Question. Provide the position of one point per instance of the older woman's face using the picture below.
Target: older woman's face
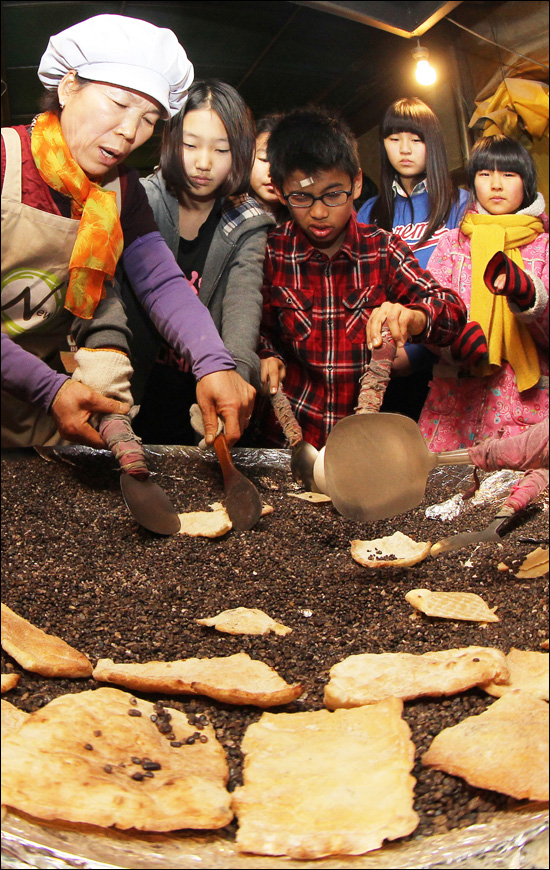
(103, 123)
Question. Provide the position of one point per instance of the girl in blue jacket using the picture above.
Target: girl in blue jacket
(419, 202)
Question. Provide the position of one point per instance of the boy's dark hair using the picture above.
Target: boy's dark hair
(311, 140)
(411, 115)
(237, 120)
(505, 155)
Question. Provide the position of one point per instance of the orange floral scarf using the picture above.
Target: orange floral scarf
(99, 242)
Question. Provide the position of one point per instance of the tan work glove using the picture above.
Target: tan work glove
(198, 424)
(107, 371)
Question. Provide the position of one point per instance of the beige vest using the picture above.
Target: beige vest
(36, 251)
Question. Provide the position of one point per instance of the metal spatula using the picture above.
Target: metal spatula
(463, 539)
(149, 505)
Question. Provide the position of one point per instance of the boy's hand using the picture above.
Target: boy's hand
(402, 322)
(273, 373)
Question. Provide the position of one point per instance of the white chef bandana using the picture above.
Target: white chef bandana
(121, 51)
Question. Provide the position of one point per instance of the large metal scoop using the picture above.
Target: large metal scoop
(149, 505)
(242, 500)
(377, 466)
(302, 454)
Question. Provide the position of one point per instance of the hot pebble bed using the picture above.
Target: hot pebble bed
(76, 565)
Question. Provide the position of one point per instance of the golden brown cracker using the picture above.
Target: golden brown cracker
(98, 757)
(323, 783)
(370, 677)
(504, 749)
(39, 652)
(235, 679)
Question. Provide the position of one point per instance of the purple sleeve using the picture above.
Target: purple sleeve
(27, 377)
(171, 303)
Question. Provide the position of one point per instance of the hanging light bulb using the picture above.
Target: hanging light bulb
(425, 73)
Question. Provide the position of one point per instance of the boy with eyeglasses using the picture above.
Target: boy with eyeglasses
(330, 283)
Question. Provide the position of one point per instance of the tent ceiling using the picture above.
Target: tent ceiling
(352, 56)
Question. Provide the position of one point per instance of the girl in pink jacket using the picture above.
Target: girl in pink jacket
(494, 378)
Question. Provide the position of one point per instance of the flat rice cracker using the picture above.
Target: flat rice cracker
(452, 605)
(311, 497)
(210, 524)
(321, 783)
(76, 758)
(370, 677)
(9, 681)
(528, 672)
(504, 749)
(236, 679)
(39, 652)
(12, 718)
(393, 551)
(244, 620)
(206, 524)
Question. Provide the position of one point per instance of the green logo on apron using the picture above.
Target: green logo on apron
(30, 300)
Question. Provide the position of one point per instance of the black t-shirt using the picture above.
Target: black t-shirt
(164, 411)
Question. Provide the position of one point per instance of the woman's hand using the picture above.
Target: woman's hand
(72, 407)
(273, 373)
(228, 395)
(402, 322)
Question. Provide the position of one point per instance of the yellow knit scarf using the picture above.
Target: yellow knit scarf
(99, 242)
(507, 337)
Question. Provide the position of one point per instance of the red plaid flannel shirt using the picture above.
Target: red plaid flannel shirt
(316, 310)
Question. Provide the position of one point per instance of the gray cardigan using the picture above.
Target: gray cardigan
(231, 286)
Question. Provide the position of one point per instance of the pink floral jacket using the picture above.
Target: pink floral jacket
(460, 409)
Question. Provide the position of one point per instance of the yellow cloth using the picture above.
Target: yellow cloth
(507, 337)
(99, 242)
(515, 99)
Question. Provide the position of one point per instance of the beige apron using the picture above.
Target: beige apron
(36, 251)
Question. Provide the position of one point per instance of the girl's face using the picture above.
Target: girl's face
(406, 153)
(206, 152)
(499, 192)
(260, 179)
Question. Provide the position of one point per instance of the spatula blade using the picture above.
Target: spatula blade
(149, 505)
(371, 471)
(243, 503)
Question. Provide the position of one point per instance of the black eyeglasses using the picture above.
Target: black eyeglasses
(306, 200)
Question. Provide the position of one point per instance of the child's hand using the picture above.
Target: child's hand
(503, 277)
(273, 373)
(402, 322)
(470, 348)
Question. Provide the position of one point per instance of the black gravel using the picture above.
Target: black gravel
(75, 564)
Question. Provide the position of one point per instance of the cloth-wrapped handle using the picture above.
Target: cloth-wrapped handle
(527, 489)
(127, 448)
(375, 379)
(285, 416)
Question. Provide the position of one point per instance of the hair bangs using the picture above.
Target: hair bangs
(402, 124)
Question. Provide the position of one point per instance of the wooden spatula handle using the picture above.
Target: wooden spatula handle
(224, 456)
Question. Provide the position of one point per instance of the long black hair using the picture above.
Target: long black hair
(411, 115)
(505, 155)
(237, 120)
